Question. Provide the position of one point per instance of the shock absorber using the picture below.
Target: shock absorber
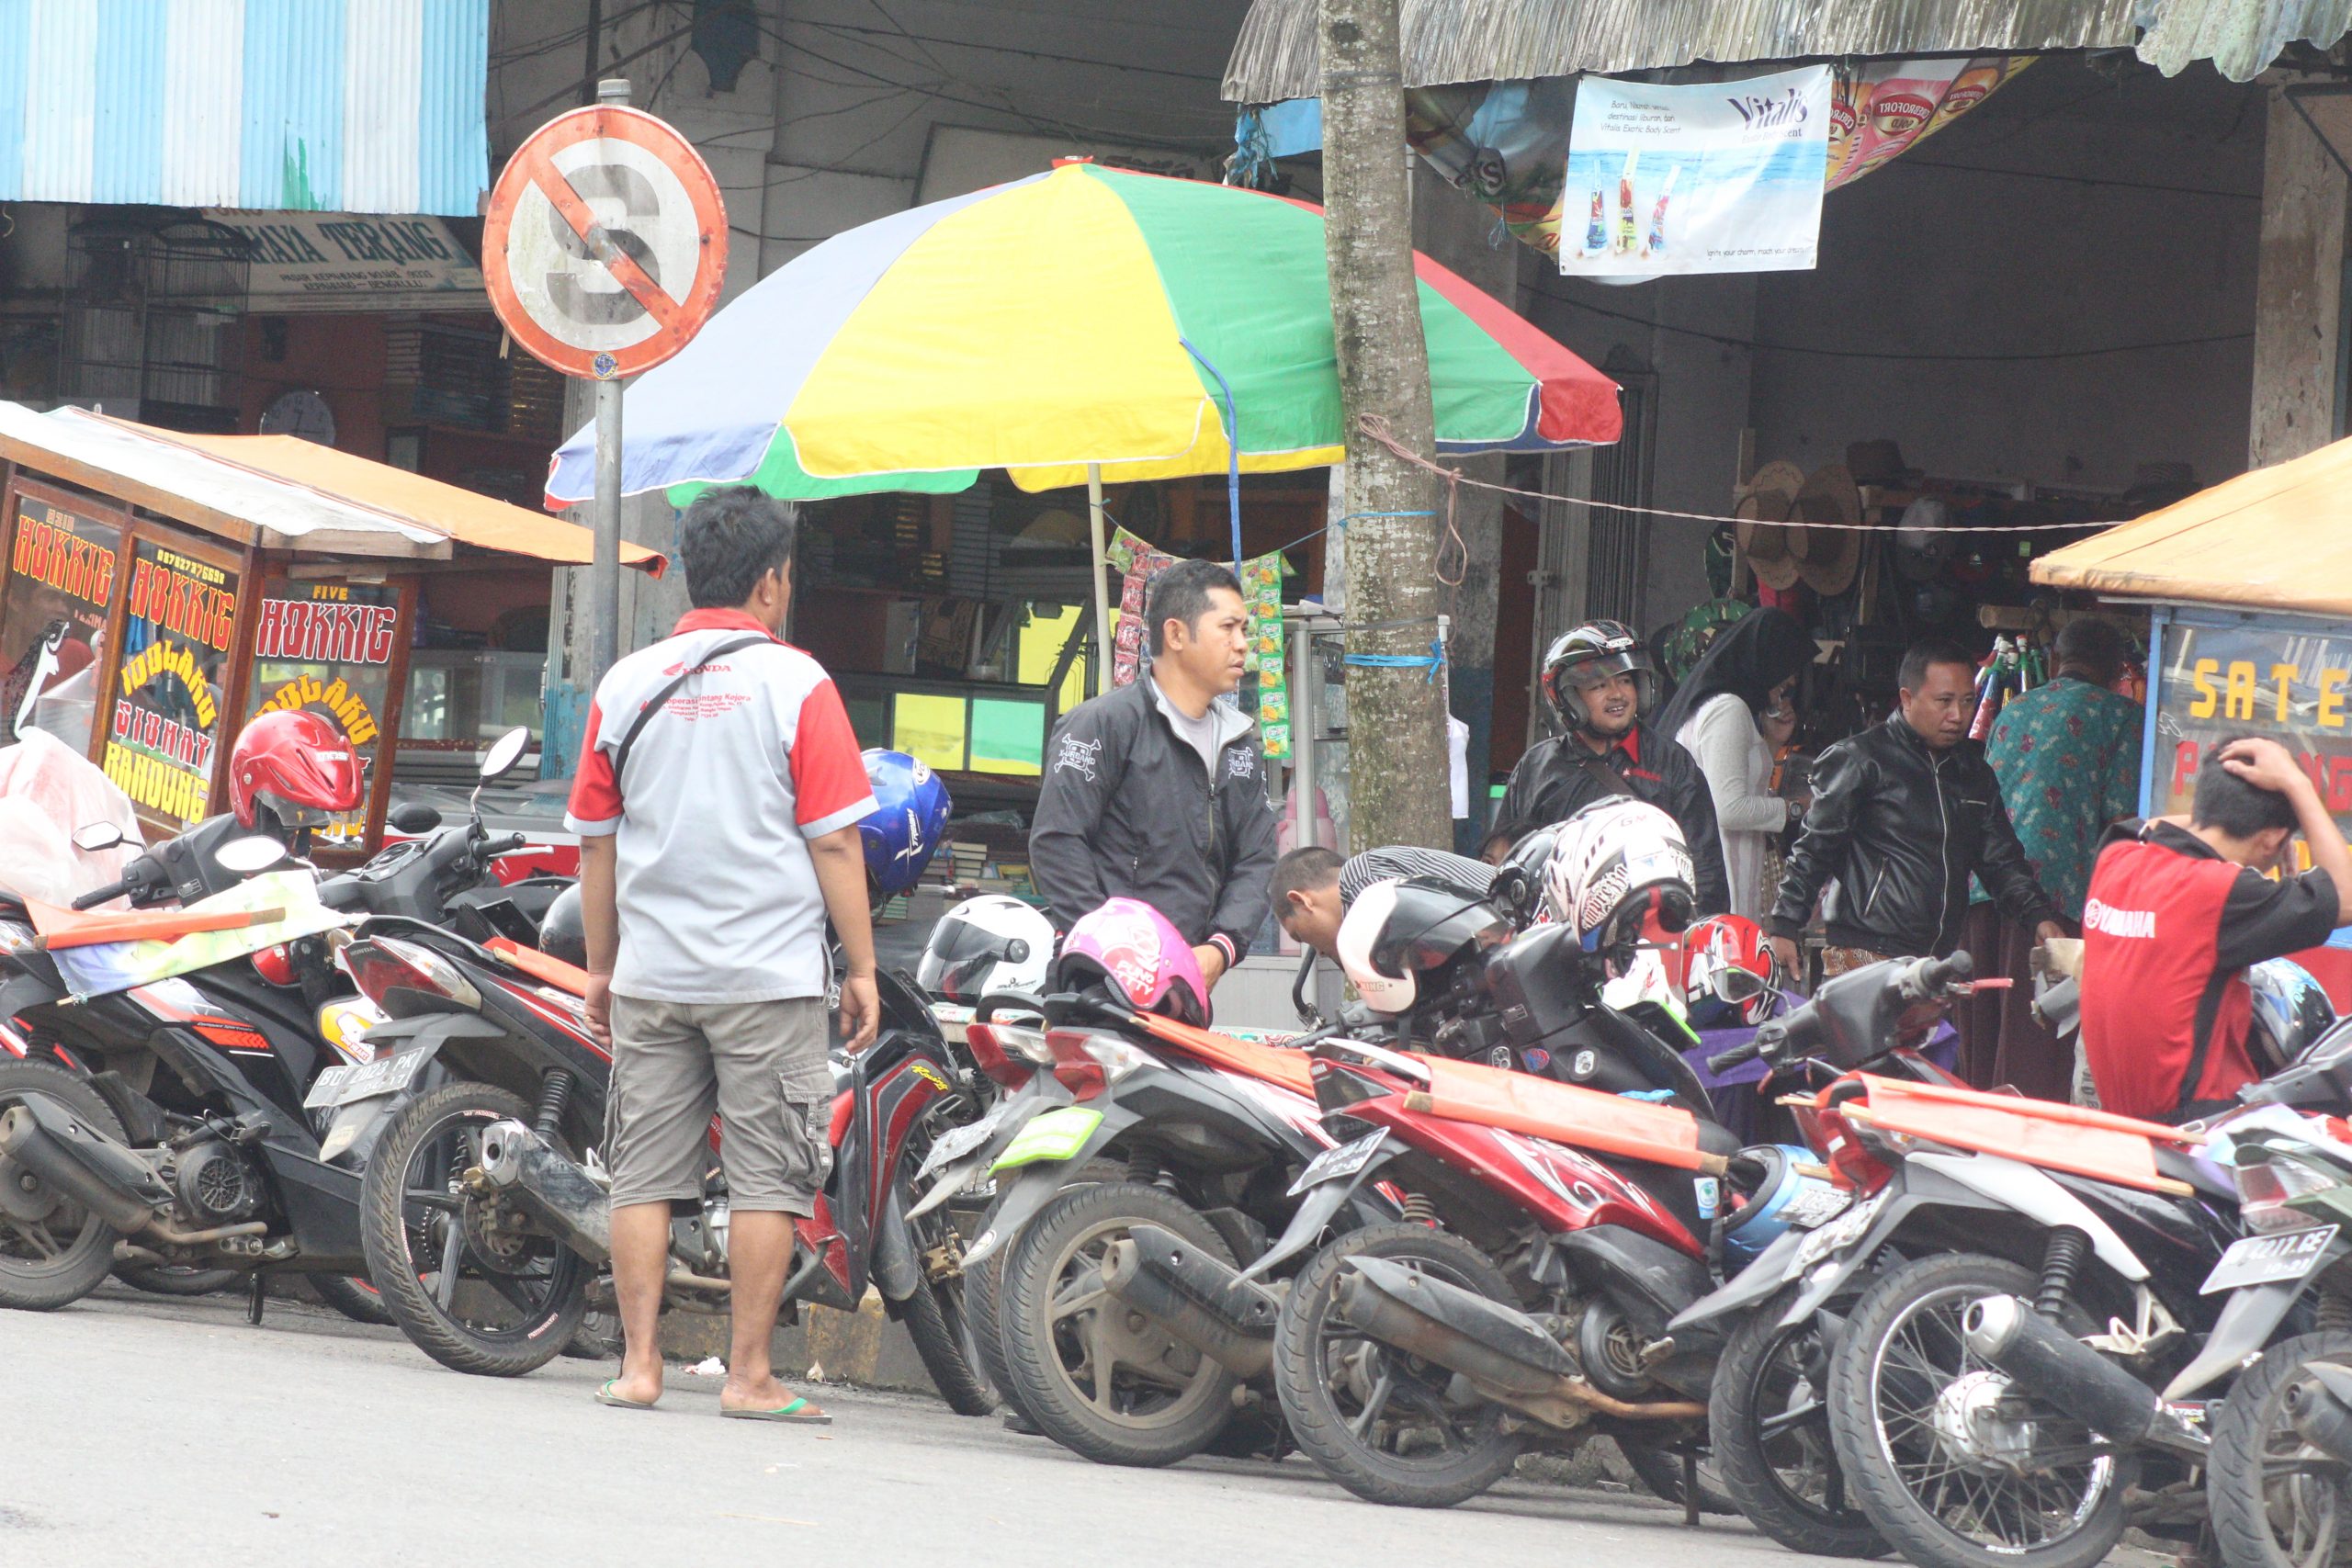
(555, 1093)
(1417, 1210)
(2060, 1260)
(2335, 1313)
(1142, 1170)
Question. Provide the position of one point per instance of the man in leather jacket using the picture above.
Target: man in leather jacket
(1597, 682)
(1903, 815)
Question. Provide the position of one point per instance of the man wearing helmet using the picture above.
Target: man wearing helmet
(1596, 680)
(717, 802)
(1155, 791)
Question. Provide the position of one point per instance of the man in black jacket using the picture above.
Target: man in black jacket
(1903, 815)
(1596, 680)
(1155, 791)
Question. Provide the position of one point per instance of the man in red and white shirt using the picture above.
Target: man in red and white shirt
(717, 802)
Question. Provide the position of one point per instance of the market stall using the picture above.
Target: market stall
(2248, 587)
(159, 589)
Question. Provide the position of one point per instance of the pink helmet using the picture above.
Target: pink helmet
(1131, 945)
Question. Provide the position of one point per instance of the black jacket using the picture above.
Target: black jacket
(1555, 780)
(1894, 831)
(1124, 811)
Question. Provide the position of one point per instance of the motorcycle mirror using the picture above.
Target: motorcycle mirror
(414, 816)
(248, 854)
(92, 836)
(504, 753)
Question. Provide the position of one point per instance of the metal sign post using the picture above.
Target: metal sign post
(603, 249)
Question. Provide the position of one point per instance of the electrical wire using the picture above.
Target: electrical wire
(1918, 163)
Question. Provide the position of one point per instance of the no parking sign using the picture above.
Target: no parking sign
(606, 242)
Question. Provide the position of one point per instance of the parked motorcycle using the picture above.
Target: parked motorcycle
(186, 1123)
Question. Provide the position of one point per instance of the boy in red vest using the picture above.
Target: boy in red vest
(2176, 912)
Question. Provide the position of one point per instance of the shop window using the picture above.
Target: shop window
(1044, 633)
(1008, 736)
(178, 625)
(63, 567)
(931, 728)
(328, 648)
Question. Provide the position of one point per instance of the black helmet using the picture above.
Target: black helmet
(1591, 653)
(562, 933)
(1519, 880)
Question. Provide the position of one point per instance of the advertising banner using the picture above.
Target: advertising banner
(1716, 177)
(62, 569)
(1889, 106)
(327, 648)
(2218, 683)
(176, 631)
(344, 261)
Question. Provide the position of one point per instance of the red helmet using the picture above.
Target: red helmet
(1732, 975)
(298, 766)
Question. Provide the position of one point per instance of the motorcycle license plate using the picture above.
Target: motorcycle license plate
(364, 1080)
(957, 1142)
(2268, 1259)
(1332, 1164)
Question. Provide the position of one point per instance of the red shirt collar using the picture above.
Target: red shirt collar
(720, 621)
(1631, 743)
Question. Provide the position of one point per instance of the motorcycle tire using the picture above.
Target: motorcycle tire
(61, 1273)
(1932, 1292)
(1327, 1428)
(354, 1297)
(1064, 1240)
(2248, 1503)
(1660, 1472)
(1768, 1475)
(934, 1316)
(176, 1280)
(505, 1351)
(598, 1338)
(982, 1338)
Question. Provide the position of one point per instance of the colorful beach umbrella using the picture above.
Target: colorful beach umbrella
(1083, 318)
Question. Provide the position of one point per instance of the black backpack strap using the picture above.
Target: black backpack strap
(654, 704)
(1596, 766)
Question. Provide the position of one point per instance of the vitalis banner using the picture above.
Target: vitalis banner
(1717, 177)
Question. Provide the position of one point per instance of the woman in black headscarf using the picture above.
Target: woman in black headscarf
(1732, 712)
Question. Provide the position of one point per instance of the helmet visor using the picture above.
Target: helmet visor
(1587, 674)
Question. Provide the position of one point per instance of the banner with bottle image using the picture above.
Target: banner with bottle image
(1714, 177)
(176, 632)
(326, 648)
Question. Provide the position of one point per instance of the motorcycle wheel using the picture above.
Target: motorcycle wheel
(2277, 1501)
(1660, 1472)
(354, 1297)
(1908, 1407)
(1104, 1383)
(935, 1320)
(1767, 1423)
(53, 1251)
(1379, 1422)
(598, 1338)
(492, 1313)
(176, 1280)
(983, 1339)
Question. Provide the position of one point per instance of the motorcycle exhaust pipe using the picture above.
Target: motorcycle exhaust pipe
(2061, 1370)
(549, 1188)
(2321, 1409)
(1195, 1297)
(33, 1147)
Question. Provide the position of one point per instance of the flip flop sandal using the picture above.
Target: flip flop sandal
(605, 1395)
(796, 1414)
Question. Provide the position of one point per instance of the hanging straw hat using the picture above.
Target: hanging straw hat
(1828, 562)
(1761, 505)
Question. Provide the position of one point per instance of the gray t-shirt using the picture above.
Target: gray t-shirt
(1200, 734)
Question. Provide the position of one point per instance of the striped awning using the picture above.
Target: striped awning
(331, 106)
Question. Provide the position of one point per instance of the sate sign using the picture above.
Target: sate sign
(176, 631)
(2217, 683)
(606, 242)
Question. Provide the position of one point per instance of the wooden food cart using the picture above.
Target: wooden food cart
(158, 590)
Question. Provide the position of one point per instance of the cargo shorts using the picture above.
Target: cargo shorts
(761, 1067)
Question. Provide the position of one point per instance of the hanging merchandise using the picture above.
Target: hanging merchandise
(1261, 590)
(1137, 563)
(1733, 179)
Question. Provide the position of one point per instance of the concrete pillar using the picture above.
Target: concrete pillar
(2298, 290)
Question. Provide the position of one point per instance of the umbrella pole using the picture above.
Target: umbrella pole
(1102, 560)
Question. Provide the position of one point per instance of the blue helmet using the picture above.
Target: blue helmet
(902, 833)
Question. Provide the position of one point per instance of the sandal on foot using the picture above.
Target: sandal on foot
(800, 1413)
(605, 1395)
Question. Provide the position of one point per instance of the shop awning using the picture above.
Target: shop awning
(1276, 57)
(2279, 538)
(285, 493)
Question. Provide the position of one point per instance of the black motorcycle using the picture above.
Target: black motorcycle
(187, 1126)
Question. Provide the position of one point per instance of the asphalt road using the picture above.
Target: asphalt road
(141, 1431)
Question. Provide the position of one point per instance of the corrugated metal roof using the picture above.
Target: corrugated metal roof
(350, 106)
(1481, 40)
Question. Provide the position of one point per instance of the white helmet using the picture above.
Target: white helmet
(1612, 857)
(1397, 929)
(994, 942)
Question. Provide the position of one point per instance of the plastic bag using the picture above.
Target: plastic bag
(47, 791)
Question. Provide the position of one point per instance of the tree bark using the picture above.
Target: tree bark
(1396, 744)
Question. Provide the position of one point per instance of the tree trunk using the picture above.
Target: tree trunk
(1397, 745)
